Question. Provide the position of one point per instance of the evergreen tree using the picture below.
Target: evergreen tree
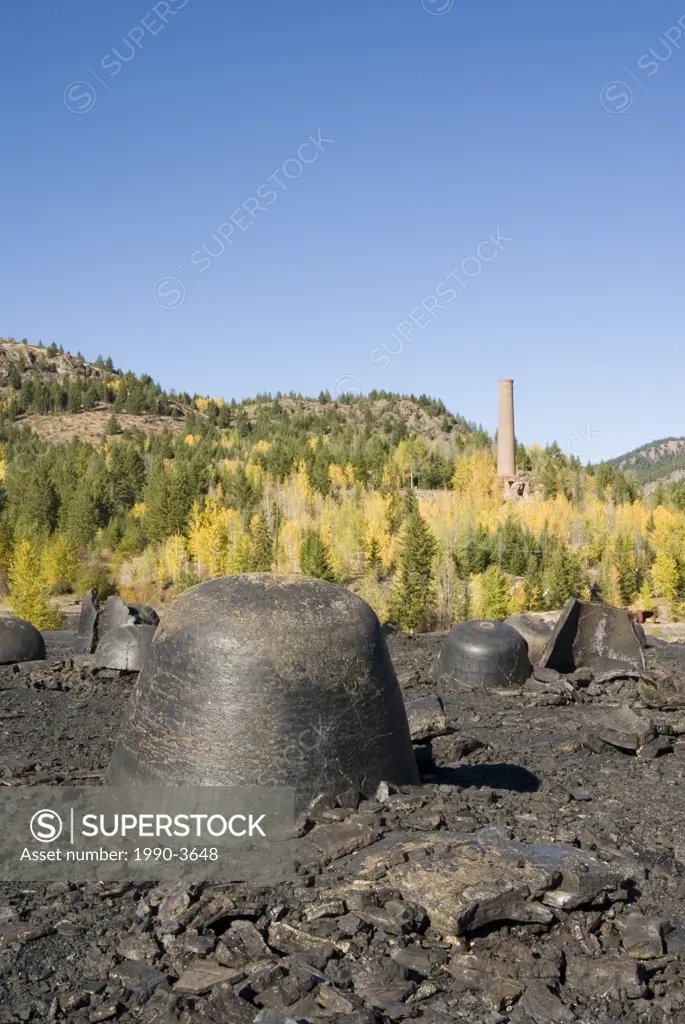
(373, 558)
(624, 563)
(314, 560)
(411, 504)
(126, 476)
(240, 493)
(32, 501)
(318, 473)
(496, 596)
(463, 609)
(475, 552)
(512, 545)
(79, 517)
(413, 596)
(562, 576)
(133, 537)
(261, 556)
(15, 373)
(533, 585)
(75, 395)
(394, 512)
(168, 499)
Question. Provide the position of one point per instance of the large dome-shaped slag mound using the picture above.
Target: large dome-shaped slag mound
(261, 679)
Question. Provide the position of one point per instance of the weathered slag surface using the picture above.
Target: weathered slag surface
(596, 636)
(267, 680)
(480, 654)
(534, 631)
(20, 641)
(87, 623)
(124, 648)
(115, 614)
(144, 614)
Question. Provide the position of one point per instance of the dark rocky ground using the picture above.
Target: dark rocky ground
(438, 904)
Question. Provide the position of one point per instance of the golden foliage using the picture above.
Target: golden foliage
(665, 576)
(475, 475)
(29, 588)
(289, 540)
(59, 560)
(172, 559)
(208, 537)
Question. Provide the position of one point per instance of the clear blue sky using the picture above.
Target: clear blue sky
(450, 121)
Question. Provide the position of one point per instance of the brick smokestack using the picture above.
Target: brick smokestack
(506, 456)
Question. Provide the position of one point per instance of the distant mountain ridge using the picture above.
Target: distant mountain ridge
(659, 461)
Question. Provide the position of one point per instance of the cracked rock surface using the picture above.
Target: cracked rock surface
(536, 875)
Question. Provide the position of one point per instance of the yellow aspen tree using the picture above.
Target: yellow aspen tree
(172, 559)
(28, 589)
(59, 560)
(475, 475)
(207, 540)
(665, 576)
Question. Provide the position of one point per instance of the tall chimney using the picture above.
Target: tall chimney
(506, 456)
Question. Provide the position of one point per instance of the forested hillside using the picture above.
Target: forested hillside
(662, 460)
(391, 495)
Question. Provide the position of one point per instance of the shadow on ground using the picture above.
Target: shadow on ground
(495, 776)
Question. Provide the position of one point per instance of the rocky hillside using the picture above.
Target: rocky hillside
(400, 416)
(61, 397)
(662, 460)
(38, 382)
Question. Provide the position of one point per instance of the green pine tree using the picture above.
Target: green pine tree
(15, 374)
(80, 515)
(463, 608)
(113, 426)
(373, 559)
(533, 585)
(32, 501)
(314, 560)
(261, 556)
(394, 512)
(411, 503)
(624, 562)
(496, 596)
(563, 575)
(413, 596)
